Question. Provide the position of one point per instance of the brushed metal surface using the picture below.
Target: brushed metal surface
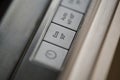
(108, 48)
(15, 30)
(82, 62)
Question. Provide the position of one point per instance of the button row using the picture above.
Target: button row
(60, 34)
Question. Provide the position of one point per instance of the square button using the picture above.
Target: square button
(68, 18)
(79, 5)
(50, 56)
(59, 35)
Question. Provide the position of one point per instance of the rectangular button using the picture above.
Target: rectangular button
(79, 5)
(68, 18)
(50, 55)
(59, 35)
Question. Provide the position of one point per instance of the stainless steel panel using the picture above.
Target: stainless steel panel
(15, 30)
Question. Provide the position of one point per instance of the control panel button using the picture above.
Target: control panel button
(68, 18)
(50, 55)
(59, 35)
(79, 5)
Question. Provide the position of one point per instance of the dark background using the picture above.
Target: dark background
(4, 4)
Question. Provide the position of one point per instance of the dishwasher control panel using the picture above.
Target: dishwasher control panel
(61, 31)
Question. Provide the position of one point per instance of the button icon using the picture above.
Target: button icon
(56, 34)
(71, 18)
(68, 17)
(51, 54)
(64, 16)
(62, 36)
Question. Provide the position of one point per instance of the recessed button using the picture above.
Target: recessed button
(67, 18)
(59, 35)
(79, 5)
(50, 55)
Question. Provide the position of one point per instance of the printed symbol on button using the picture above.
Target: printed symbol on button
(71, 18)
(51, 54)
(56, 34)
(64, 16)
(62, 36)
